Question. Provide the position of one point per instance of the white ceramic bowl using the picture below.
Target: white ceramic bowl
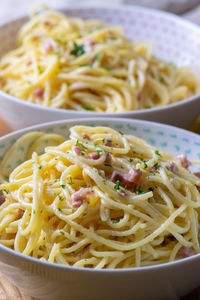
(175, 39)
(49, 281)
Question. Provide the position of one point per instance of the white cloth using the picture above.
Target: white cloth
(10, 9)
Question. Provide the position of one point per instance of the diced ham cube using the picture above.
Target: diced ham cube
(77, 150)
(47, 23)
(94, 155)
(133, 175)
(82, 195)
(185, 252)
(182, 158)
(108, 158)
(197, 174)
(129, 180)
(173, 167)
(20, 213)
(48, 48)
(38, 92)
(86, 136)
(108, 142)
(154, 168)
(2, 199)
(28, 62)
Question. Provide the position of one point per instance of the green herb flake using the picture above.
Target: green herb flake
(155, 165)
(145, 164)
(117, 185)
(34, 211)
(104, 181)
(96, 144)
(99, 151)
(151, 189)
(63, 186)
(40, 167)
(70, 182)
(88, 108)
(59, 209)
(120, 132)
(130, 160)
(139, 191)
(116, 221)
(125, 188)
(96, 57)
(40, 69)
(60, 197)
(62, 232)
(80, 145)
(108, 165)
(78, 50)
(6, 191)
(157, 152)
(86, 65)
(168, 168)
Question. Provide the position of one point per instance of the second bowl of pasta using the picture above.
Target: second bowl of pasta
(112, 62)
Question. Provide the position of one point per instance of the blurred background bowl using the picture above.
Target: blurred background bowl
(175, 40)
(49, 281)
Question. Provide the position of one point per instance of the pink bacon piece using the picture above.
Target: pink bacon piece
(48, 48)
(28, 62)
(86, 136)
(185, 252)
(129, 180)
(108, 158)
(197, 174)
(108, 142)
(20, 213)
(77, 150)
(38, 92)
(173, 167)
(182, 158)
(82, 195)
(2, 199)
(94, 155)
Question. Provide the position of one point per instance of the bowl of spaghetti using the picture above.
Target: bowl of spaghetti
(100, 207)
(118, 61)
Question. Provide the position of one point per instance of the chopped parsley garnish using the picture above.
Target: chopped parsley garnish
(80, 145)
(117, 185)
(34, 211)
(155, 165)
(96, 57)
(157, 152)
(60, 197)
(6, 191)
(70, 182)
(168, 168)
(78, 50)
(104, 181)
(87, 108)
(103, 140)
(96, 144)
(86, 65)
(40, 167)
(116, 221)
(62, 232)
(139, 191)
(151, 189)
(108, 165)
(99, 151)
(59, 209)
(62, 186)
(125, 188)
(121, 132)
(145, 164)
(130, 160)
(40, 69)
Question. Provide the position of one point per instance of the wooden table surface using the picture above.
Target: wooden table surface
(8, 291)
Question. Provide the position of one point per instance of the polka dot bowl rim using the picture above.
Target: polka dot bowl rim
(175, 40)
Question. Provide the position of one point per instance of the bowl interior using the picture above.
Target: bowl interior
(164, 137)
(175, 40)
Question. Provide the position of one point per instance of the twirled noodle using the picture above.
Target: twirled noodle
(75, 64)
(101, 199)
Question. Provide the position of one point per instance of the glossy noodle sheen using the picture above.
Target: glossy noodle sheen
(101, 199)
(70, 63)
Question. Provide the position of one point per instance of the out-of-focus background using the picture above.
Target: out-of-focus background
(190, 9)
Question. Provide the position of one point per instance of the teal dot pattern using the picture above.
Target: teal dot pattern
(163, 139)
